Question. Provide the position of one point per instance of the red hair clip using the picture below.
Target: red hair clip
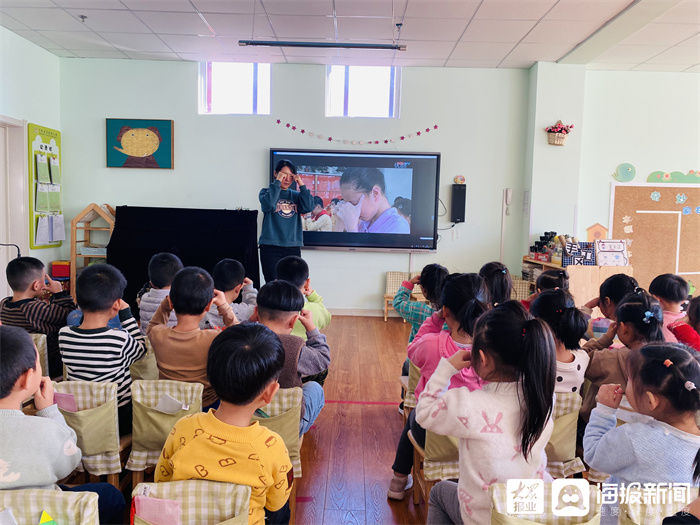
(668, 363)
(524, 332)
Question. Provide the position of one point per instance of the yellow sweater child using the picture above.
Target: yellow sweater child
(222, 444)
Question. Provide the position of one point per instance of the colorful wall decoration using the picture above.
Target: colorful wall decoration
(139, 143)
(46, 225)
(675, 177)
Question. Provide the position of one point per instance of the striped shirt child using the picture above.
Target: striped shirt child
(37, 316)
(103, 354)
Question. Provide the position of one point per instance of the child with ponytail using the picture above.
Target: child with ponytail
(639, 320)
(568, 324)
(502, 428)
(548, 280)
(498, 282)
(663, 447)
(463, 300)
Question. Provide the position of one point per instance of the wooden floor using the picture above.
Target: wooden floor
(347, 455)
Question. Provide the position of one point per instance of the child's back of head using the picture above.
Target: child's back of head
(279, 301)
(243, 360)
(465, 296)
(17, 355)
(162, 269)
(227, 274)
(523, 348)
(98, 287)
(293, 269)
(615, 287)
(22, 272)
(694, 313)
(191, 291)
(498, 282)
(432, 278)
(552, 279)
(557, 309)
(669, 370)
(670, 288)
(642, 316)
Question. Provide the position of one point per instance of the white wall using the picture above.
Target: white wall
(29, 90)
(651, 120)
(221, 161)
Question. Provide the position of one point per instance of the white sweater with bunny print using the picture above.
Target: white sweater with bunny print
(487, 423)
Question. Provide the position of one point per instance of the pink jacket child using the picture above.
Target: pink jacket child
(430, 345)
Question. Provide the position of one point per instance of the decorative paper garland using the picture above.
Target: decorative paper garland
(328, 138)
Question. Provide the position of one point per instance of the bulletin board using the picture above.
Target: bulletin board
(46, 224)
(661, 226)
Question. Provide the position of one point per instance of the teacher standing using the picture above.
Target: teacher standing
(282, 208)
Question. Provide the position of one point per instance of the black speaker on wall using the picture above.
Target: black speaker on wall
(459, 202)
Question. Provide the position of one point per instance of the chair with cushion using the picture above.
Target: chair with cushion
(284, 416)
(28, 505)
(40, 343)
(522, 289)
(561, 449)
(96, 424)
(438, 460)
(145, 368)
(409, 385)
(151, 426)
(201, 502)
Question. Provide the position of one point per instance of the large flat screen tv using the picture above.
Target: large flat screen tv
(374, 200)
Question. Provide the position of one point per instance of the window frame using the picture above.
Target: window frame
(205, 90)
(394, 92)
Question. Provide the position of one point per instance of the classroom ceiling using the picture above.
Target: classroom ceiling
(658, 35)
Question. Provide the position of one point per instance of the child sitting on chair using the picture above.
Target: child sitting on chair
(38, 450)
(161, 271)
(295, 270)
(280, 305)
(95, 352)
(229, 277)
(223, 445)
(181, 351)
(28, 280)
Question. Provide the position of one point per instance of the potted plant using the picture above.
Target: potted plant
(556, 134)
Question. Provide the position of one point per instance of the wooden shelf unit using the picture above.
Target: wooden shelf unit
(84, 222)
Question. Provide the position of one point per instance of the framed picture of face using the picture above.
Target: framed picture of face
(139, 143)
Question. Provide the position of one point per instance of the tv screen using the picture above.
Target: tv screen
(373, 200)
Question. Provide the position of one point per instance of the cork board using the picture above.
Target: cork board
(661, 225)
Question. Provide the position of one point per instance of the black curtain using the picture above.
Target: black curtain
(199, 237)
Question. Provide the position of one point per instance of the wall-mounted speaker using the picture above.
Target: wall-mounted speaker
(459, 202)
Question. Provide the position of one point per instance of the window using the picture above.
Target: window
(232, 87)
(362, 91)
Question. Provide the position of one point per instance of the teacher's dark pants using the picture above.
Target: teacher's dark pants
(270, 255)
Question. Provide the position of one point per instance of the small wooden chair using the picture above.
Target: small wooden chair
(522, 289)
(202, 502)
(437, 461)
(285, 416)
(27, 505)
(145, 368)
(393, 281)
(151, 427)
(96, 425)
(408, 383)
